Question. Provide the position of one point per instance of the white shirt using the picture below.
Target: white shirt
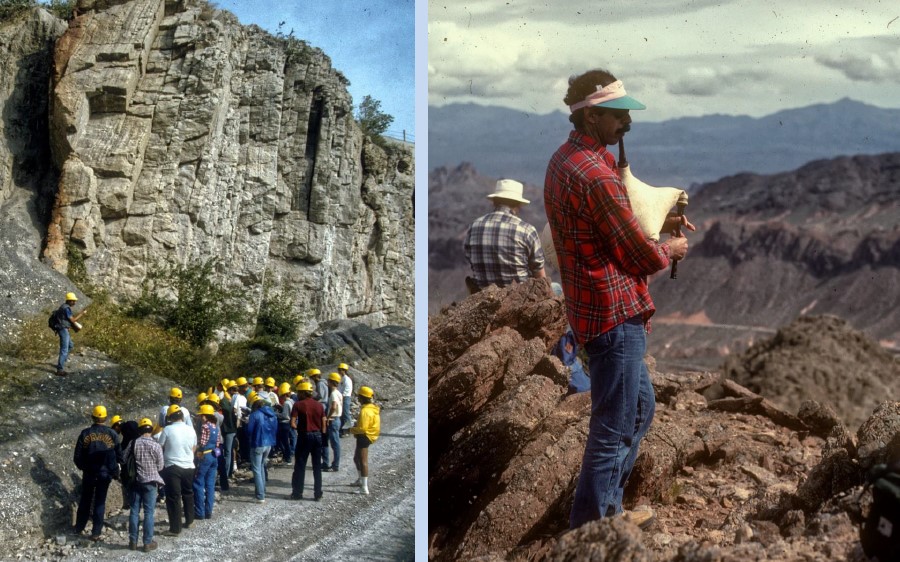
(346, 386)
(178, 441)
(238, 401)
(336, 400)
(164, 409)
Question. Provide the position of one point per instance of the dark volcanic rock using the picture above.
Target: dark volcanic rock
(506, 447)
(609, 540)
(877, 433)
(822, 359)
(820, 418)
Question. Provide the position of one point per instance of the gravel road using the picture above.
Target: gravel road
(35, 455)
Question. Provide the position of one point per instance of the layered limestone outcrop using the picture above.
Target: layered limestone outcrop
(182, 136)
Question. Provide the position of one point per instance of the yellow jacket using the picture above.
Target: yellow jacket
(369, 422)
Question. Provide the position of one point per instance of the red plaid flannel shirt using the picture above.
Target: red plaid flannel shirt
(604, 257)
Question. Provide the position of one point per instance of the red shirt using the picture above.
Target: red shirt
(309, 414)
(604, 257)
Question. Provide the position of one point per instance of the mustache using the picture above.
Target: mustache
(625, 128)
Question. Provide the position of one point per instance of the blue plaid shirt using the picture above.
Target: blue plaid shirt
(502, 248)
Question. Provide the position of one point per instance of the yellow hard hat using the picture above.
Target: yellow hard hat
(115, 419)
(175, 392)
(366, 392)
(257, 380)
(172, 409)
(334, 377)
(99, 412)
(224, 383)
(298, 379)
(252, 397)
(270, 381)
(231, 384)
(313, 372)
(284, 388)
(207, 410)
(71, 297)
(242, 381)
(344, 367)
(305, 386)
(201, 397)
(214, 398)
(145, 422)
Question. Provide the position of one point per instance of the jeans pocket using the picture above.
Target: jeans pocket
(598, 345)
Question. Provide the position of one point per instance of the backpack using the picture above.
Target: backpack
(880, 533)
(55, 321)
(129, 473)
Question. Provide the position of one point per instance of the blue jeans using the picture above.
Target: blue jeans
(226, 464)
(142, 495)
(345, 413)
(308, 445)
(65, 346)
(333, 436)
(287, 441)
(93, 488)
(622, 407)
(205, 486)
(258, 458)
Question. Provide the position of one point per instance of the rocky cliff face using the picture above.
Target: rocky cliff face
(27, 180)
(180, 135)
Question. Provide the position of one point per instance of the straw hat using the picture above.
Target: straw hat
(509, 189)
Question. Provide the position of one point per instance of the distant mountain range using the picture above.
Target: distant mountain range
(502, 142)
(821, 239)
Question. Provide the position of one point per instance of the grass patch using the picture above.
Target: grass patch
(13, 386)
(149, 348)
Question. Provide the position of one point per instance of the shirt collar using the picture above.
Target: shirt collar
(590, 143)
(587, 141)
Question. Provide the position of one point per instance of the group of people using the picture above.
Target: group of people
(604, 260)
(180, 455)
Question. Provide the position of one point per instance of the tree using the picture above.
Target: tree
(370, 117)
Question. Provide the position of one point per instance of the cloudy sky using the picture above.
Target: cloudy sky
(679, 57)
(371, 42)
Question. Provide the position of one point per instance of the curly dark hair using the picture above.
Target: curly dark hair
(580, 87)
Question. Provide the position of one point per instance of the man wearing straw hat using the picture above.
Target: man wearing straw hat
(502, 248)
(604, 260)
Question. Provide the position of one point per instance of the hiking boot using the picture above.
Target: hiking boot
(150, 546)
(61, 373)
(96, 538)
(132, 545)
(643, 516)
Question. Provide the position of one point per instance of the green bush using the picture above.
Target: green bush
(277, 321)
(145, 347)
(187, 300)
(10, 8)
(63, 9)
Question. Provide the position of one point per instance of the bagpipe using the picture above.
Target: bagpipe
(651, 207)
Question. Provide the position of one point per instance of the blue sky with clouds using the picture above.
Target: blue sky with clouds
(371, 42)
(680, 57)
